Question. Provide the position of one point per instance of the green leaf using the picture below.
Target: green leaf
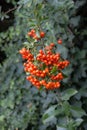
(26, 43)
(78, 122)
(66, 108)
(61, 128)
(80, 54)
(68, 93)
(77, 111)
(49, 114)
(2, 117)
(63, 51)
(54, 69)
(70, 124)
(75, 21)
(43, 66)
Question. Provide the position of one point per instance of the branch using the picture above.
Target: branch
(70, 30)
(10, 10)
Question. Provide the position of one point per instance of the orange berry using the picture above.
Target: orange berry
(35, 36)
(42, 34)
(46, 70)
(29, 34)
(59, 41)
(32, 31)
(47, 48)
(52, 44)
(43, 82)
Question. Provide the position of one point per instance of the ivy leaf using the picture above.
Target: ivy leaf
(68, 93)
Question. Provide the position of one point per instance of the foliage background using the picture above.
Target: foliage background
(21, 105)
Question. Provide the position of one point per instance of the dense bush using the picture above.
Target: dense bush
(22, 106)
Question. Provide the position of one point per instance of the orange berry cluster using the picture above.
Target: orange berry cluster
(63, 64)
(44, 69)
(33, 34)
(33, 70)
(38, 84)
(48, 58)
(26, 54)
(59, 76)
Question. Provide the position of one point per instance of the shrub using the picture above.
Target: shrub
(21, 104)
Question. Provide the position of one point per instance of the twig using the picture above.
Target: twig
(70, 30)
(10, 10)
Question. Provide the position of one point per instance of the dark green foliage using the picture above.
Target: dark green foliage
(21, 104)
